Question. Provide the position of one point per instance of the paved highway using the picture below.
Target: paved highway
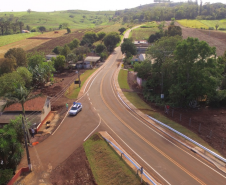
(165, 159)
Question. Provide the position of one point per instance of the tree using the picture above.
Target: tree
(101, 35)
(29, 11)
(71, 57)
(143, 69)
(74, 44)
(121, 30)
(216, 26)
(19, 54)
(196, 71)
(7, 65)
(65, 51)
(100, 48)
(26, 75)
(42, 28)
(41, 70)
(68, 30)
(89, 38)
(111, 40)
(128, 47)
(59, 62)
(9, 81)
(174, 30)
(57, 50)
(21, 95)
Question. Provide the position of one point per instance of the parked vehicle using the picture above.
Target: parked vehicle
(75, 109)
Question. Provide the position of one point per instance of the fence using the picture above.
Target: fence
(138, 168)
(216, 136)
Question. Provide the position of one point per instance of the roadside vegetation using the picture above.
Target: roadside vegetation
(74, 89)
(147, 109)
(142, 33)
(106, 164)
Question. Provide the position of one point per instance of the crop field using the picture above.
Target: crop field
(192, 24)
(75, 18)
(28, 44)
(7, 39)
(212, 23)
(142, 33)
(113, 28)
(48, 46)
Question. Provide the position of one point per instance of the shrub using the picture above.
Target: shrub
(33, 30)
(211, 28)
(222, 28)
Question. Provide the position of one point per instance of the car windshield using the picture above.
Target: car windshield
(74, 108)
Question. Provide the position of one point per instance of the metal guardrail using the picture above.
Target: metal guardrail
(131, 161)
(189, 139)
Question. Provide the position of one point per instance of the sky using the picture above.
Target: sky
(91, 5)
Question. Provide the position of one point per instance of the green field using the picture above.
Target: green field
(52, 20)
(106, 165)
(7, 39)
(212, 23)
(192, 24)
(142, 33)
(150, 24)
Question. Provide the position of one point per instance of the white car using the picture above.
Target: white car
(75, 109)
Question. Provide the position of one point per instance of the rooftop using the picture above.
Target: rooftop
(36, 104)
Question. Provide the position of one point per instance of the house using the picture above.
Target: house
(25, 31)
(36, 110)
(141, 45)
(90, 61)
(48, 57)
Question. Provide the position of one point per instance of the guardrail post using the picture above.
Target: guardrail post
(172, 112)
(190, 122)
(121, 155)
(180, 117)
(199, 127)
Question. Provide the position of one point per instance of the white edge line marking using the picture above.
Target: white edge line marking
(136, 153)
(135, 161)
(94, 129)
(77, 100)
(165, 133)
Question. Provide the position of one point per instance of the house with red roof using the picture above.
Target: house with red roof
(36, 110)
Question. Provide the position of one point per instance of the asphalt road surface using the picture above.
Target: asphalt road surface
(165, 159)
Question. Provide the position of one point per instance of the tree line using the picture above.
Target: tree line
(165, 11)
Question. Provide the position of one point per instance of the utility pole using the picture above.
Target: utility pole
(27, 151)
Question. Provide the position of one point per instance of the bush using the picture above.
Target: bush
(222, 28)
(211, 28)
(219, 99)
(57, 50)
(33, 30)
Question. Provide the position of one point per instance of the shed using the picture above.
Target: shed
(48, 57)
(90, 61)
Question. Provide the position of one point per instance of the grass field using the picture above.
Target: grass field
(7, 39)
(28, 44)
(212, 23)
(73, 90)
(106, 165)
(75, 18)
(146, 109)
(192, 24)
(142, 33)
(123, 74)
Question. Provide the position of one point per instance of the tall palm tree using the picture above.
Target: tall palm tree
(21, 95)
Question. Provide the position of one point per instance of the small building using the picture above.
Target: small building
(36, 110)
(48, 57)
(141, 45)
(25, 31)
(90, 61)
(79, 65)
